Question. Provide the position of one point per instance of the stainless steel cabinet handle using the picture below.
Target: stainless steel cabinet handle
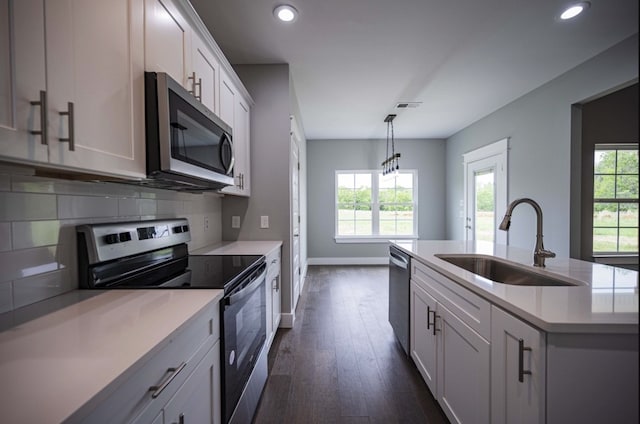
(43, 117)
(71, 138)
(173, 373)
(435, 317)
(196, 93)
(521, 370)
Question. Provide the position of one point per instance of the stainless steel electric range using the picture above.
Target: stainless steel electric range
(154, 255)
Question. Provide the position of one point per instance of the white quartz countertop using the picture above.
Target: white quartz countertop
(239, 248)
(72, 358)
(605, 301)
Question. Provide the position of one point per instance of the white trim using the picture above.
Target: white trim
(287, 320)
(375, 207)
(349, 261)
(371, 239)
(493, 149)
(492, 156)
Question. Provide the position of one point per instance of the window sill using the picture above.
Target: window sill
(365, 240)
(630, 259)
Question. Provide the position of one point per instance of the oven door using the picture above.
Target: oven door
(244, 328)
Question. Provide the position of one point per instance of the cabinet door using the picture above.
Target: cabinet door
(241, 148)
(22, 78)
(95, 53)
(167, 40)
(423, 341)
(227, 100)
(513, 400)
(463, 370)
(204, 78)
(276, 308)
(198, 399)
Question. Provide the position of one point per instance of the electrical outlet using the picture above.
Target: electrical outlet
(206, 223)
(264, 221)
(235, 222)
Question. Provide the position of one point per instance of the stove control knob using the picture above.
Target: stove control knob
(126, 236)
(112, 238)
(177, 229)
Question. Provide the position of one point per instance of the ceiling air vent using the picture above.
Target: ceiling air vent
(408, 105)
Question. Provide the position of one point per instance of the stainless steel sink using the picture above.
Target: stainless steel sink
(503, 271)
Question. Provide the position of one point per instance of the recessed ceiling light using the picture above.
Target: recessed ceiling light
(574, 10)
(286, 13)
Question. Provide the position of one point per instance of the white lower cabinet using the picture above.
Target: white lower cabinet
(192, 403)
(273, 294)
(452, 358)
(517, 370)
(182, 379)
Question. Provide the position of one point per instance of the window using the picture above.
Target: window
(615, 199)
(372, 206)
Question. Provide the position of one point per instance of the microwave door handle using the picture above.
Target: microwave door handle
(245, 291)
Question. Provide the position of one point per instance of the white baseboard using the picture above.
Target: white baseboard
(348, 261)
(287, 320)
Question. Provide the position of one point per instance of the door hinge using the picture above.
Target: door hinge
(298, 166)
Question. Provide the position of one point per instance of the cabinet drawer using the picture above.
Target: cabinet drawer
(467, 306)
(133, 397)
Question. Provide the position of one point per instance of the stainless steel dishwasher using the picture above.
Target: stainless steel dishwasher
(399, 275)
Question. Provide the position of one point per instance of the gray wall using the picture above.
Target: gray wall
(539, 127)
(324, 157)
(270, 154)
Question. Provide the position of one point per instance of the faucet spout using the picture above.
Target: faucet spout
(540, 253)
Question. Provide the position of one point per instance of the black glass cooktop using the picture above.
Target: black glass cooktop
(213, 271)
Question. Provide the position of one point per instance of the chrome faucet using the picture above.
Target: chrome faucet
(540, 253)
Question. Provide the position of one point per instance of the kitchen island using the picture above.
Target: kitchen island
(493, 352)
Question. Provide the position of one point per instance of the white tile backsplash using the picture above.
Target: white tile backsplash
(32, 289)
(26, 263)
(26, 206)
(38, 257)
(86, 207)
(28, 234)
(5, 236)
(6, 297)
(136, 207)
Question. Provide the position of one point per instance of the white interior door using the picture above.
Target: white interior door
(295, 220)
(486, 192)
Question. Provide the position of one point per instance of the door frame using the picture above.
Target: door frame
(494, 155)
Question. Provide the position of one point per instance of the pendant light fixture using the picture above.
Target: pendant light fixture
(391, 163)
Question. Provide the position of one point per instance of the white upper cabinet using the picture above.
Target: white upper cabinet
(95, 85)
(22, 80)
(241, 150)
(227, 99)
(78, 103)
(204, 78)
(167, 40)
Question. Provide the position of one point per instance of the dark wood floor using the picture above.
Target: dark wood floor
(341, 363)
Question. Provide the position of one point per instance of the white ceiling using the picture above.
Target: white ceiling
(352, 60)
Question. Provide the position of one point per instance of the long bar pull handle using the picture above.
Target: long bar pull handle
(43, 117)
(71, 138)
(521, 370)
(196, 93)
(429, 318)
(435, 317)
(159, 389)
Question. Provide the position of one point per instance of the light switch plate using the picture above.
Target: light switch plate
(235, 222)
(264, 221)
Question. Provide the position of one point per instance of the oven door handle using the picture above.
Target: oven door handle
(247, 290)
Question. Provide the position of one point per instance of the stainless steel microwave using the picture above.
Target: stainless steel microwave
(188, 147)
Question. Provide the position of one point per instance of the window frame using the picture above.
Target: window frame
(375, 209)
(594, 200)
